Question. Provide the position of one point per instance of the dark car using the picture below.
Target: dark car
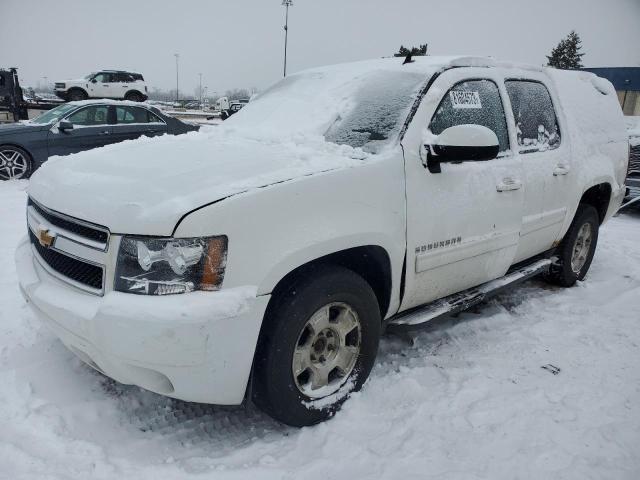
(77, 126)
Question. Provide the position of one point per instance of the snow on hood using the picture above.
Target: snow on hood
(145, 186)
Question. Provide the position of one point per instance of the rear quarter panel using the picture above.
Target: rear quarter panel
(595, 126)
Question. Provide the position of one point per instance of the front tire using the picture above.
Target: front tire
(318, 345)
(576, 251)
(76, 95)
(15, 163)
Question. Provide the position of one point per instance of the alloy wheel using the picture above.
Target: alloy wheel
(13, 164)
(581, 247)
(327, 350)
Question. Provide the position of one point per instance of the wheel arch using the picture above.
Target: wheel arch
(71, 89)
(599, 197)
(371, 262)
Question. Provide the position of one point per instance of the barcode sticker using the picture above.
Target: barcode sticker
(463, 99)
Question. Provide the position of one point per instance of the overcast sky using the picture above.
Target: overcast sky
(239, 43)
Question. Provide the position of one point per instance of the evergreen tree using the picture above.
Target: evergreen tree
(566, 55)
(420, 51)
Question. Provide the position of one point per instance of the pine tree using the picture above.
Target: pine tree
(566, 55)
(420, 51)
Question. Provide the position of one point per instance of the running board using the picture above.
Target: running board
(417, 318)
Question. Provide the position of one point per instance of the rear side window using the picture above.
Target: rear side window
(126, 115)
(536, 122)
(472, 102)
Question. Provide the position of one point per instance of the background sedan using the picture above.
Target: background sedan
(77, 126)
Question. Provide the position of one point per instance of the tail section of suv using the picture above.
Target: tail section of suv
(116, 84)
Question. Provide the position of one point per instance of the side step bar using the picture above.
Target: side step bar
(417, 318)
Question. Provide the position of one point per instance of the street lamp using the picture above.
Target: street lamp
(286, 4)
(177, 55)
(200, 91)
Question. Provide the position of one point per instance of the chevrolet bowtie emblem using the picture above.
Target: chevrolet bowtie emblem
(45, 238)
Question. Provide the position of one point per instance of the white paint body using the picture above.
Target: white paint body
(284, 204)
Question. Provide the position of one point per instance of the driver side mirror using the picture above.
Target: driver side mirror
(460, 143)
(65, 126)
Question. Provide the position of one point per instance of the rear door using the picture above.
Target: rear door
(545, 160)
(463, 224)
(134, 122)
(91, 129)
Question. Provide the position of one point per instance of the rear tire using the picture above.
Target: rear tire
(15, 163)
(133, 97)
(318, 344)
(76, 95)
(576, 251)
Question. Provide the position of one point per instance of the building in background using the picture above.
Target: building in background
(626, 81)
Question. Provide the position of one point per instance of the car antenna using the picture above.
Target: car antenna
(408, 59)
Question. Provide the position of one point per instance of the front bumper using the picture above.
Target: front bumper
(196, 347)
(63, 94)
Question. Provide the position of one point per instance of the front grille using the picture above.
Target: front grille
(634, 160)
(77, 270)
(82, 230)
(59, 85)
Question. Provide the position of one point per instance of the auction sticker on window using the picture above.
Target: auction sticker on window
(465, 99)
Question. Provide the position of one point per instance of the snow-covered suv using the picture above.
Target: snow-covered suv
(115, 84)
(264, 259)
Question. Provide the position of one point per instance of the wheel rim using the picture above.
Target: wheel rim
(327, 350)
(581, 248)
(13, 164)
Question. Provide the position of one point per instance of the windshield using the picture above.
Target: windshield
(364, 109)
(53, 115)
(90, 76)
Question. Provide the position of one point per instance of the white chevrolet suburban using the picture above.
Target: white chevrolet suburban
(114, 84)
(262, 260)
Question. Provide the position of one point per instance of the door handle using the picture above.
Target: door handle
(561, 169)
(106, 132)
(509, 184)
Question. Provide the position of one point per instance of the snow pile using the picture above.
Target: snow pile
(469, 399)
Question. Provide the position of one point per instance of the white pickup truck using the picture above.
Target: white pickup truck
(262, 260)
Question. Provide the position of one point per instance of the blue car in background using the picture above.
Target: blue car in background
(78, 126)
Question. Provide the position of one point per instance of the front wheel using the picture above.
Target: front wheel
(576, 251)
(76, 95)
(318, 345)
(15, 163)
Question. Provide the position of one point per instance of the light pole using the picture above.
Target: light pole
(200, 91)
(287, 4)
(177, 55)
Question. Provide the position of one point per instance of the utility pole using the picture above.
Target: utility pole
(177, 55)
(286, 4)
(200, 90)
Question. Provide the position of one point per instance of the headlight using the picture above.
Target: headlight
(164, 266)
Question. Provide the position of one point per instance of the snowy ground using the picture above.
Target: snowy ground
(468, 401)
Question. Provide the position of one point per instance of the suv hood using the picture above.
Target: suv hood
(146, 186)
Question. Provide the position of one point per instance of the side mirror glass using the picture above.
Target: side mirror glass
(93, 80)
(460, 143)
(65, 125)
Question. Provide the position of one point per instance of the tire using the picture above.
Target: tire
(576, 251)
(76, 95)
(15, 163)
(333, 299)
(133, 97)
